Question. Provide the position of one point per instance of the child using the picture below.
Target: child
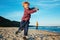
(24, 24)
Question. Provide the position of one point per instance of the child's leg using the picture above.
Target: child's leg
(26, 29)
(22, 23)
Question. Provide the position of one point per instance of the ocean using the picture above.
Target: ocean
(47, 28)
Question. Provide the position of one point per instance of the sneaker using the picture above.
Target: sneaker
(27, 37)
(16, 32)
(19, 31)
(24, 38)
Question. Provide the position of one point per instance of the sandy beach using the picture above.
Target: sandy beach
(8, 33)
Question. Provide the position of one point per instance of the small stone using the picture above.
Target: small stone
(14, 39)
(9, 39)
(1, 36)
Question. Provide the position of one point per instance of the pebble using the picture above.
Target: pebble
(9, 34)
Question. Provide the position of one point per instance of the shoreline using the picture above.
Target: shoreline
(32, 29)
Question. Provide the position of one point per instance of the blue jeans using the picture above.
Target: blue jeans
(24, 26)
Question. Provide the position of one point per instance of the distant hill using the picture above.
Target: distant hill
(8, 23)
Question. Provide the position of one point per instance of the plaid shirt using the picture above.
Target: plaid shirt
(27, 14)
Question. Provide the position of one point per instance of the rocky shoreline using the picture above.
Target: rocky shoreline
(8, 33)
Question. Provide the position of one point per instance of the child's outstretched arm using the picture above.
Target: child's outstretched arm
(32, 11)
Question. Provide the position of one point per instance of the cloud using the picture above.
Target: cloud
(47, 4)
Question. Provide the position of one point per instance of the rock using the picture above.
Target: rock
(9, 39)
(2, 39)
(1, 36)
(9, 34)
(14, 39)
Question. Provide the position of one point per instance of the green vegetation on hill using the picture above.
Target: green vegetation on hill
(8, 23)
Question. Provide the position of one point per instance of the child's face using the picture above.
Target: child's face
(26, 6)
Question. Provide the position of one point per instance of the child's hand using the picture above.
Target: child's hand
(36, 8)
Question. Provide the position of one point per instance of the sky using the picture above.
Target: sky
(48, 14)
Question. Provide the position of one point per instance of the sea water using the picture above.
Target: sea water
(47, 28)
